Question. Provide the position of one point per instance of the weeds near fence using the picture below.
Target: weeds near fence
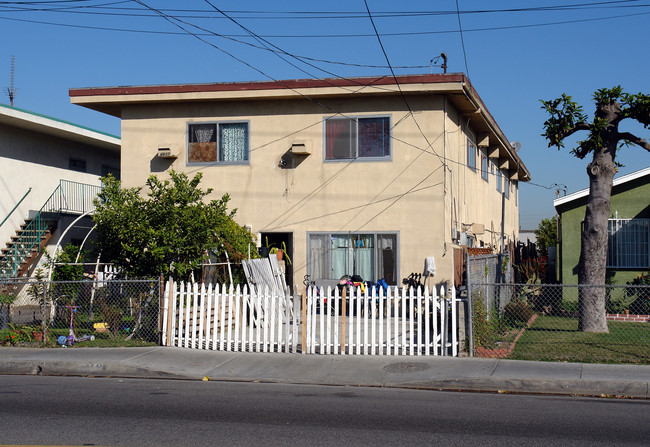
(488, 332)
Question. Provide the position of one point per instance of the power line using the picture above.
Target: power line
(316, 15)
(341, 36)
(462, 39)
(408, 106)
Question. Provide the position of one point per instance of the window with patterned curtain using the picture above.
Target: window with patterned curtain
(233, 142)
(217, 142)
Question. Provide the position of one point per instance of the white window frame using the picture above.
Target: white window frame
(356, 118)
(217, 125)
(621, 237)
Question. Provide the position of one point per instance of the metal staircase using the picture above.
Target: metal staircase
(68, 198)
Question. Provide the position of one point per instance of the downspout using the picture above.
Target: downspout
(444, 168)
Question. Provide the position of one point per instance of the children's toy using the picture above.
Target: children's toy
(71, 339)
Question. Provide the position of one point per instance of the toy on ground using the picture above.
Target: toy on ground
(71, 339)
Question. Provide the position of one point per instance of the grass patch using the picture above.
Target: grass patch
(557, 339)
(102, 340)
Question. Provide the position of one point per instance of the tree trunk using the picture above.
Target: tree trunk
(593, 254)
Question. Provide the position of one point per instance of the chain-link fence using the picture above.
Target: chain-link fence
(543, 322)
(99, 313)
(486, 271)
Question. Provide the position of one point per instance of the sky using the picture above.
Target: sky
(514, 53)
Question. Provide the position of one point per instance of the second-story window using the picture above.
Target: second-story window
(225, 142)
(484, 167)
(351, 138)
(77, 164)
(471, 155)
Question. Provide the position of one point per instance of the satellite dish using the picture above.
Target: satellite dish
(516, 145)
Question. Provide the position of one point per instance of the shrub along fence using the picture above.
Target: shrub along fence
(540, 322)
(121, 311)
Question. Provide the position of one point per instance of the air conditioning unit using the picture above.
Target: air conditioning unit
(477, 228)
(301, 147)
(167, 152)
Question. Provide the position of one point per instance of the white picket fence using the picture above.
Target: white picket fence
(228, 319)
(396, 322)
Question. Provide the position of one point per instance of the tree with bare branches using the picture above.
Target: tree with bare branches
(565, 118)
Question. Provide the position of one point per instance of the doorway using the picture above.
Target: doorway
(282, 241)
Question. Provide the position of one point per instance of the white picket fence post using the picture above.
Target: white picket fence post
(385, 322)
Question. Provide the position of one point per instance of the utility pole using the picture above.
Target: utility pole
(11, 91)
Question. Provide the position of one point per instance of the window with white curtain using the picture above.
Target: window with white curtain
(222, 142)
(371, 256)
(627, 243)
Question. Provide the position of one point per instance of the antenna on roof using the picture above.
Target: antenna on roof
(434, 61)
(11, 91)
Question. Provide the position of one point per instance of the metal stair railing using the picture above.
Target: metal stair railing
(15, 206)
(68, 197)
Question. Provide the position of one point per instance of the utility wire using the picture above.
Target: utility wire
(462, 39)
(408, 106)
(316, 15)
(340, 36)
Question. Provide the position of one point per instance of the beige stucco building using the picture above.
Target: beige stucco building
(364, 176)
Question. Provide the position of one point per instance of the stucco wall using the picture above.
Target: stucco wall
(628, 200)
(32, 160)
(412, 194)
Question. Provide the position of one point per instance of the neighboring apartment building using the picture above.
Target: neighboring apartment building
(365, 176)
(38, 156)
(628, 247)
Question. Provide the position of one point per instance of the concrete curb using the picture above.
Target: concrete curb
(49, 368)
(621, 389)
(567, 387)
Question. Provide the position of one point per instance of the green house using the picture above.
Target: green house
(628, 250)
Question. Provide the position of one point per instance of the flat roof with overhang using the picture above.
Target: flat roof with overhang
(455, 86)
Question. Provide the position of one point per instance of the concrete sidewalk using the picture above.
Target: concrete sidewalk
(436, 373)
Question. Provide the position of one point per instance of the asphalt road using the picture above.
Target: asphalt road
(132, 412)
